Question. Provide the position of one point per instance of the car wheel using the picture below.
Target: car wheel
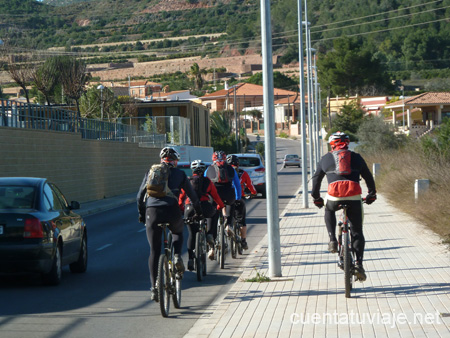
(54, 276)
(81, 264)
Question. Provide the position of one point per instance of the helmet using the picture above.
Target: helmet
(198, 166)
(169, 154)
(219, 156)
(233, 160)
(338, 140)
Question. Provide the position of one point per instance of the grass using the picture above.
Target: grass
(399, 170)
(259, 278)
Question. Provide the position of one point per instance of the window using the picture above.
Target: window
(52, 198)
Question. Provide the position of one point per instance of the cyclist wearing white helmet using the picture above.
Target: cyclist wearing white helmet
(210, 201)
(158, 210)
(343, 169)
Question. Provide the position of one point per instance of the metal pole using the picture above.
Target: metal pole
(308, 75)
(302, 107)
(235, 119)
(273, 231)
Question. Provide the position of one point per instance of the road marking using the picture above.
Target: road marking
(103, 247)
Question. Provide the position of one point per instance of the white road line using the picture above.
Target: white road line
(104, 247)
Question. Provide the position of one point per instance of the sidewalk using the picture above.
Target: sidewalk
(407, 292)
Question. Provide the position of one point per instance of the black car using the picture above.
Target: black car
(39, 232)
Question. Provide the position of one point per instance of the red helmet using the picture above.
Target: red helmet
(219, 156)
(339, 140)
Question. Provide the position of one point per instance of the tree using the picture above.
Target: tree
(349, 70)
(374, 135)
(349, 118)
(197, 73)
(73, 78)
(46, 78)
(279, 80)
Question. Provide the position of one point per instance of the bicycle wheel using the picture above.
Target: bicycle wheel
(198, 256)
(239, 242)
(222, 246)
(347, 265)
(162, 281)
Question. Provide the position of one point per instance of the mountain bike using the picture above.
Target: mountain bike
(220, 245)
(346, 254)
(168, 281)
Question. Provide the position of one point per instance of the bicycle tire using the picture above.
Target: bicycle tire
(347, 265)
(163, 288)
(222, 245)
(198, 256)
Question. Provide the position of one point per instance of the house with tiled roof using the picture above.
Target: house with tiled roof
(423, 111)
(240, 96)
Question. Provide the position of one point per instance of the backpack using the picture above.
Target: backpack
(200, 185)
(342, 160)
(222, 173)
(158, 181)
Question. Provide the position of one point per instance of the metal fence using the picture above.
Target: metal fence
(148, 132)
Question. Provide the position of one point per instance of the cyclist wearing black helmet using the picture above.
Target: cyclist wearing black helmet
(157, 210)
(343, 169)
(210, 201)
(240, 208)
(228, 186)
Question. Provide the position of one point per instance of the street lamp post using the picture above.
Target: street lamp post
(101, 87)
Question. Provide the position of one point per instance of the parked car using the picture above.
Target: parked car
(39, 232)
(291, 160)
(253, 164)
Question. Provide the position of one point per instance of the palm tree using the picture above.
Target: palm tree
(196, 72)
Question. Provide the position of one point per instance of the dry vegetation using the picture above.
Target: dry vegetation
(400, 169)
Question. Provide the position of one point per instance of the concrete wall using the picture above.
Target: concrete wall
(85, 170)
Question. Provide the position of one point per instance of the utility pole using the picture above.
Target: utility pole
(273, 230)
(302, 107)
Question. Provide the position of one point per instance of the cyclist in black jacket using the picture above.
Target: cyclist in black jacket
(154, 211)
(343, 169)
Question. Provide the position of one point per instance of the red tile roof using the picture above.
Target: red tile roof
(430, 98)
(246, 89)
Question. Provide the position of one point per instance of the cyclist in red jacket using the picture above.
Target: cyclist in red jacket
(343, 169)
(240, 208)
(210, 202)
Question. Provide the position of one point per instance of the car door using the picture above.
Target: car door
(64, 222)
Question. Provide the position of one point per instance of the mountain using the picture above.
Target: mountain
(403, 35)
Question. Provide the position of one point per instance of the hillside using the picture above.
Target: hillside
(403, 35)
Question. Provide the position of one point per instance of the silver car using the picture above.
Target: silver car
(253, 164)
(291, 160)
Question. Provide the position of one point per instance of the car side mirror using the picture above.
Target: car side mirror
(74, 205)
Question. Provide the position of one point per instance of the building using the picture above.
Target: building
(240, 96)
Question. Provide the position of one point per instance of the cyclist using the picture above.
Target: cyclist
(209, 202)
(343, 169)
(240, 209)
(228, 186)
(154, 211)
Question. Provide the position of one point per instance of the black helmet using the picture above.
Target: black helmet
(198, 166)
(233, 160)
(169, 154)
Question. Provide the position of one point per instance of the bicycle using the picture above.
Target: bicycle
(168, 281)
(220, 245)
(346, 254)
(201, 249)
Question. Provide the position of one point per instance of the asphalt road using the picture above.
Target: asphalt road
(112, 299)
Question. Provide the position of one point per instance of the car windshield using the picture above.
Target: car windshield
(16, 197)
(249, 162)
